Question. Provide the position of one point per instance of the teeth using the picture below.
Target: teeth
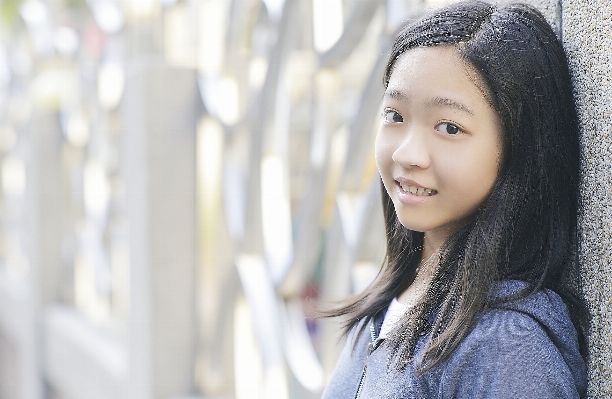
(419, 191)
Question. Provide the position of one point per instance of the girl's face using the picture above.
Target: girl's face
(439, 143)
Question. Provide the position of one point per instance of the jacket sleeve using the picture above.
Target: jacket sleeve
(508, 354)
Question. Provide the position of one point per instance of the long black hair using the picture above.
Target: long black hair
(526, 229)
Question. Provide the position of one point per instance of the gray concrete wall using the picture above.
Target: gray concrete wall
(586, 27)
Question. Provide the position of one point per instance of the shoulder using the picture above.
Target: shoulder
(525, 349)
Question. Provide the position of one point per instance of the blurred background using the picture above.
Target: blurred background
(180, 182)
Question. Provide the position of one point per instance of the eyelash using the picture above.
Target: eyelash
(390, 111)
(449, 123)
(387, 112)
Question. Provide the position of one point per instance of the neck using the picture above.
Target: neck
(432, 242)
(425, 272)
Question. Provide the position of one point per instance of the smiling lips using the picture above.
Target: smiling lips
(414, 189)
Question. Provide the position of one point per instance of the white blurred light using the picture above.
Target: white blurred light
(141, 9)
(258, 67)
(300, 353)
(36, 16)
(84, 284)
(227, 95)
(34, 13)
(77, 130)
(220, 97)
(66, 40)
(46, 87)
(13, 176)
(275, 383)
(211, 36)
(53, 87)
(259, 368)
(210, 154)
(351, 208)
(337, 157)
(276, 216)
(96, 189)
(108, 16)
(275, 8)
(363, 273)
(247, 358)
(179, 47)
(328, 23)
(111, 82)
(327, 86)
(234, 188)
(92, 271)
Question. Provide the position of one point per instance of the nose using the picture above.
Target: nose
(412, 150)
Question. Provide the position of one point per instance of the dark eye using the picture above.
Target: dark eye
(448, 128)
(391, 116)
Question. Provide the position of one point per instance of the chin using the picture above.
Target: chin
(414, 226)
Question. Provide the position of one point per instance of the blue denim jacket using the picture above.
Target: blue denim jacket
(528, 349)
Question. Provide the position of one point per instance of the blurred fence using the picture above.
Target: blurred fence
(180, 182)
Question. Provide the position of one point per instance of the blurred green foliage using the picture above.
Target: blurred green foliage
(9, 11)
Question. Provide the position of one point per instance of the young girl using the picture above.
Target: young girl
(478, 153)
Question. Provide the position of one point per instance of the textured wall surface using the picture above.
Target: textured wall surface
(587, 34)
(551, 10)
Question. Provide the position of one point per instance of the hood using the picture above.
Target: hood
(549, 310)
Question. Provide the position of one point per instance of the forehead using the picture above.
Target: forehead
(438, 66)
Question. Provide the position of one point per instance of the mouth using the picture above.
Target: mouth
(415, 189)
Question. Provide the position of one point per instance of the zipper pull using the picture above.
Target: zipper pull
(370, 349)
(373, 345)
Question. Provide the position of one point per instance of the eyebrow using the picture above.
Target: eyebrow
(396, 95)
(447, 102)
(433, 102)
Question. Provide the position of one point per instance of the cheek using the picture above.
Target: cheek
(470, 178)
(387, 141)
(486, 167)
(382, 153)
